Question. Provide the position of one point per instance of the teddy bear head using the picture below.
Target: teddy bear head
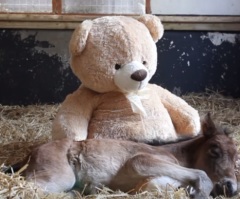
(115, 53)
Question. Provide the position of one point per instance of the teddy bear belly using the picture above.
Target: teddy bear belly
(132, 127)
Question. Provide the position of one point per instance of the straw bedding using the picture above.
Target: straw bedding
(22, 128)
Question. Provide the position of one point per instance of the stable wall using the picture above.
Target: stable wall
(34, 64)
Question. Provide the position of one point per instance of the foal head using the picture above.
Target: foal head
(217, 156)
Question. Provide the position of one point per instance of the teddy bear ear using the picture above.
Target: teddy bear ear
(79, 37)
(154, 25)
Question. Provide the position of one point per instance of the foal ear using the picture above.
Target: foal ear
(208, 126)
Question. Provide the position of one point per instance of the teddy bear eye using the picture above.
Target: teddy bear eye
(117, 66)
(144, 62)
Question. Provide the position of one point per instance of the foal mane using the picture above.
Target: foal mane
(208, 129)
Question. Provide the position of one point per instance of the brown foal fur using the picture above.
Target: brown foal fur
(205, 162)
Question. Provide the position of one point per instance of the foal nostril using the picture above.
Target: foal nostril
(225, 188)
(228, 188)
(139, 75)
(228, 184)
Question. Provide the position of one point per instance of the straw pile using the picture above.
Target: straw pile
(22, 128)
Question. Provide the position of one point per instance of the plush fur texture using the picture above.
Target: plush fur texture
(115, 57)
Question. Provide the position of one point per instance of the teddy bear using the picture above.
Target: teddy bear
(115, 57)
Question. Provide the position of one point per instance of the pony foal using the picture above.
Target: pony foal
(205, 162)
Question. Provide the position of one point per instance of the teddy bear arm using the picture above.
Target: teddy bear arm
(73, 117)
(185, 118)
(67, 124)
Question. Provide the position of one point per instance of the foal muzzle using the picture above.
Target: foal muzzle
(225, 188)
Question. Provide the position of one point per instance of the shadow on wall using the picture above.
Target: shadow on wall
(29, 74)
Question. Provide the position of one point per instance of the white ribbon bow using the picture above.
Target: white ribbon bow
(135, 100)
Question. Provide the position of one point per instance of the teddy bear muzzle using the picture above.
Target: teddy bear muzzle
(131, 77)
(139, 75)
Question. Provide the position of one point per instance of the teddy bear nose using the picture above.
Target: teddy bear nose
(139, 75)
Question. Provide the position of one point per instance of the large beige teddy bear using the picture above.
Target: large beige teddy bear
(115, 57)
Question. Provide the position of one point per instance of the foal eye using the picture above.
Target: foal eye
(117, 66)
(144, 62)
(214, 152)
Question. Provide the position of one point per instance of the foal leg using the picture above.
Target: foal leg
(53, 180)
(157, 184)
(147, 165)
(163, 183)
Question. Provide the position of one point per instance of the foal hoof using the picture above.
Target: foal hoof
(193, 193)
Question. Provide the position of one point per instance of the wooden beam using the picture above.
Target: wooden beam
(200, 19)
(50, 17)
(57, 7)
(53, 21)
(148, 7)
(203, 26)
(38, 25)
(81, 17)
